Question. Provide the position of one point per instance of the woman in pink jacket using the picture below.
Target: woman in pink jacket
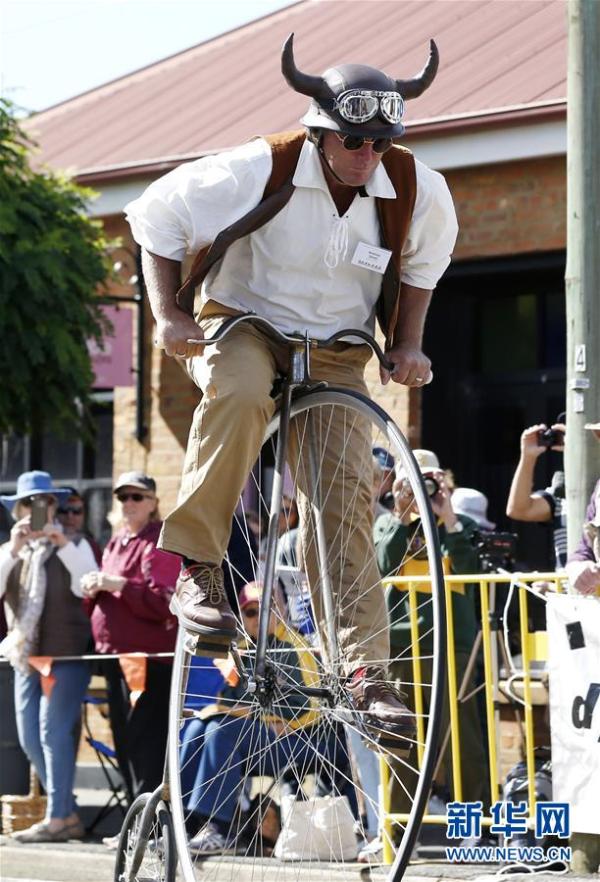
(128, 602)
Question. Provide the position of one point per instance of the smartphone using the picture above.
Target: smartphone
(39, 512)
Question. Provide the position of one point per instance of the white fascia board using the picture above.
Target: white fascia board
(491, 146)
(113, 198)
(443, 152)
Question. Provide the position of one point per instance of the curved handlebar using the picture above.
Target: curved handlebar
(286, 339)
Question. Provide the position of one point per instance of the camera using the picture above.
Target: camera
(550, 437)
(431, 485)
(495, 550)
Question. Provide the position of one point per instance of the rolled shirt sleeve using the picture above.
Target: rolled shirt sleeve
(432, 232)
(185, 209)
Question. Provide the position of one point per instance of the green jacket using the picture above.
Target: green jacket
(391, 542)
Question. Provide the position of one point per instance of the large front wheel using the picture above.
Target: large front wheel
(292, 737)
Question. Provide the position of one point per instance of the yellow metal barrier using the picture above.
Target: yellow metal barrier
(533, 647)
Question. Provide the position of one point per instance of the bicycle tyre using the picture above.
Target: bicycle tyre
(383, 432)
(159, 861)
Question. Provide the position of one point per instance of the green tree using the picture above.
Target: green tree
(53, 259)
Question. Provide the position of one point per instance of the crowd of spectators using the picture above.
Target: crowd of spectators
(116, 601)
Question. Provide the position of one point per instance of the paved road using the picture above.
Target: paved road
(91, 862)
(53, 863)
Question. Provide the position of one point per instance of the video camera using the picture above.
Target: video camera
(495, 550)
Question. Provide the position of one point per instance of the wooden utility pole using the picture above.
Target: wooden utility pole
(582, 452)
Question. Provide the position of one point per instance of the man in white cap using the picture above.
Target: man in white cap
(473, 504)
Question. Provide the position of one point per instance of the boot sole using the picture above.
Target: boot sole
(219, 635)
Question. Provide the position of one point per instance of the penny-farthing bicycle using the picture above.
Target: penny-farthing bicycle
(288, 725)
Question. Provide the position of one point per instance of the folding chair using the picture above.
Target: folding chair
(107, 758)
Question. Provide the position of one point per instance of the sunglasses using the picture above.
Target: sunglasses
(70, 509)
(355, 142)
(135, 497)
(250, 613)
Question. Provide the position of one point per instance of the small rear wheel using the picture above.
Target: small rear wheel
(158, 861)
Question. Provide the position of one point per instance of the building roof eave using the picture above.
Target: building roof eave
(439, 127)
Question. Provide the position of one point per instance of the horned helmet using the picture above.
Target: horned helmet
(356, 99)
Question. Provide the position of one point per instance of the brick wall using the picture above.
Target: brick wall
(512, 208)
(505, 209)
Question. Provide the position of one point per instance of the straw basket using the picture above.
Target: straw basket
(20, 812)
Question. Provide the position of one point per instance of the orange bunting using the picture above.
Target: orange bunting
(43, 665)
(134, 669)
(228, 669)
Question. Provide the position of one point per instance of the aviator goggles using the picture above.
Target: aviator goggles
(361, 105)
(355, 142)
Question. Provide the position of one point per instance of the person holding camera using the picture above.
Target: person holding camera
(540, 506)
(40, 572)
(394, 534)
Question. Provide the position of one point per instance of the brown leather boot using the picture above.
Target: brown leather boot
(388, 721)
(200, 602)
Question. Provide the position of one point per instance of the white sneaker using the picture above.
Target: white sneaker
(371, 853)
(111, 841)
(209, 840)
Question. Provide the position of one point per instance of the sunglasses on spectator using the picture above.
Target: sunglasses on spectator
(251, 613)
(135, 497)
(70, 509)
(355, 142)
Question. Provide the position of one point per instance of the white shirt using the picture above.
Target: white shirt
(295, 270)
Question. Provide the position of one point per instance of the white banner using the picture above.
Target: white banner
(574, 664)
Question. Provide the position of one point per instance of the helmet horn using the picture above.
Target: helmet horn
(415, 87)
(314, 87)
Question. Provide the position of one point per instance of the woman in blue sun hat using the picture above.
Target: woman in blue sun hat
(40, 572)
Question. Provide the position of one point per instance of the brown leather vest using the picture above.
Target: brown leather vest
(394, 218)
(64, 627)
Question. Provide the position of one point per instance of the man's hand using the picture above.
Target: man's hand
(173, 335)
(412, 367)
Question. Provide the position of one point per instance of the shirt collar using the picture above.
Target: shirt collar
(309, 173)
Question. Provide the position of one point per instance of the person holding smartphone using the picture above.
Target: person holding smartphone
(40, 572)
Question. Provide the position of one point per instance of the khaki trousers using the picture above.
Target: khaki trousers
(236, 377)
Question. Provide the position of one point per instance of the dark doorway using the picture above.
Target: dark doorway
(496, 335)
